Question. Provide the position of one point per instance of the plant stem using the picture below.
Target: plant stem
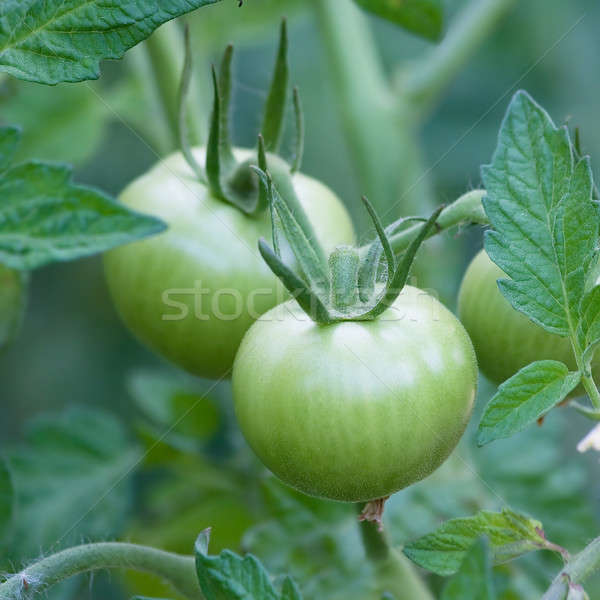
(426, 80)
(592, 391)
(466, 209)
(381, 137)
(395, 573)
(581, 566)
(178, 570)
(165, 51)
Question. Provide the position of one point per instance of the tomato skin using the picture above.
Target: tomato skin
(505, 340)
(355, 411)
(215, 244)
(13, 291)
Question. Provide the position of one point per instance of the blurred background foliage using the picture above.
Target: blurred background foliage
(74, 359)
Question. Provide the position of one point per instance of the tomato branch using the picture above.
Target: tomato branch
(582, 566)
(467, 209)
(381, 137)
(425, 81)
(395, 573)
(178, 570)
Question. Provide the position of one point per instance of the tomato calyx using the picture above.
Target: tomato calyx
(228, 179)
(345, 286)
(373, 512)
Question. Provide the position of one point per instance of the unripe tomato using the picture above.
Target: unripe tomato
(355, 411)
(505, 340)
(191, 292)
(13, 286)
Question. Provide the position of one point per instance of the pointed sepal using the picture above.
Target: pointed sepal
(272, 126)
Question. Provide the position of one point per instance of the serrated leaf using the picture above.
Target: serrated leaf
(6, 499)
(423, 17)
(45, 217)
(231, 577)
(524, 398)
(510, 535)
(70, 481)
(473, 581)
(539, 202)
(50, 41)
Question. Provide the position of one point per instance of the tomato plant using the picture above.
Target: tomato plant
(316, 430)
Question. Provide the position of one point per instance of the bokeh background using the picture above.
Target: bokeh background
(73, 351)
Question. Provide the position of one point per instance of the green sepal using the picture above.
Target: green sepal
(213, 147)
(299, 121)
(310, 303)
(307, 251)
(397, 280)
(272, 126)
(382, 235)
(182, 95)
(225, 95)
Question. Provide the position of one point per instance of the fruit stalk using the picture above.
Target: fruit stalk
(179, 571)
(467, 209)
(395, 574)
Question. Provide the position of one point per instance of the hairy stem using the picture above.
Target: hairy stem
(467, 209)
(426, 80)
(177, 570)
(381, 137)
(579, 568)
(395, 573)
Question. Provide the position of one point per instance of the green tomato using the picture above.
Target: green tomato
(192, 292)
(13, 286)
(505, 340)
(355, 411)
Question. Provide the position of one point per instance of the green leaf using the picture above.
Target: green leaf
(539, 202)
(423, 17)
(70, 478)
(231, 577)
(474, 580)
(6, 499)
(289, 590)
(510, 535)
(45, 217)
(524, 398)
(50, 41)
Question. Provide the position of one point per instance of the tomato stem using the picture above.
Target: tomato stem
(579, 568)
(425, 81)
(394, 572)
(467, 209)
(179, 571)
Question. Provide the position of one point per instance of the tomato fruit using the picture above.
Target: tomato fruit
(13, 286)
(355, 410)
(191, 292)
(505, 340)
